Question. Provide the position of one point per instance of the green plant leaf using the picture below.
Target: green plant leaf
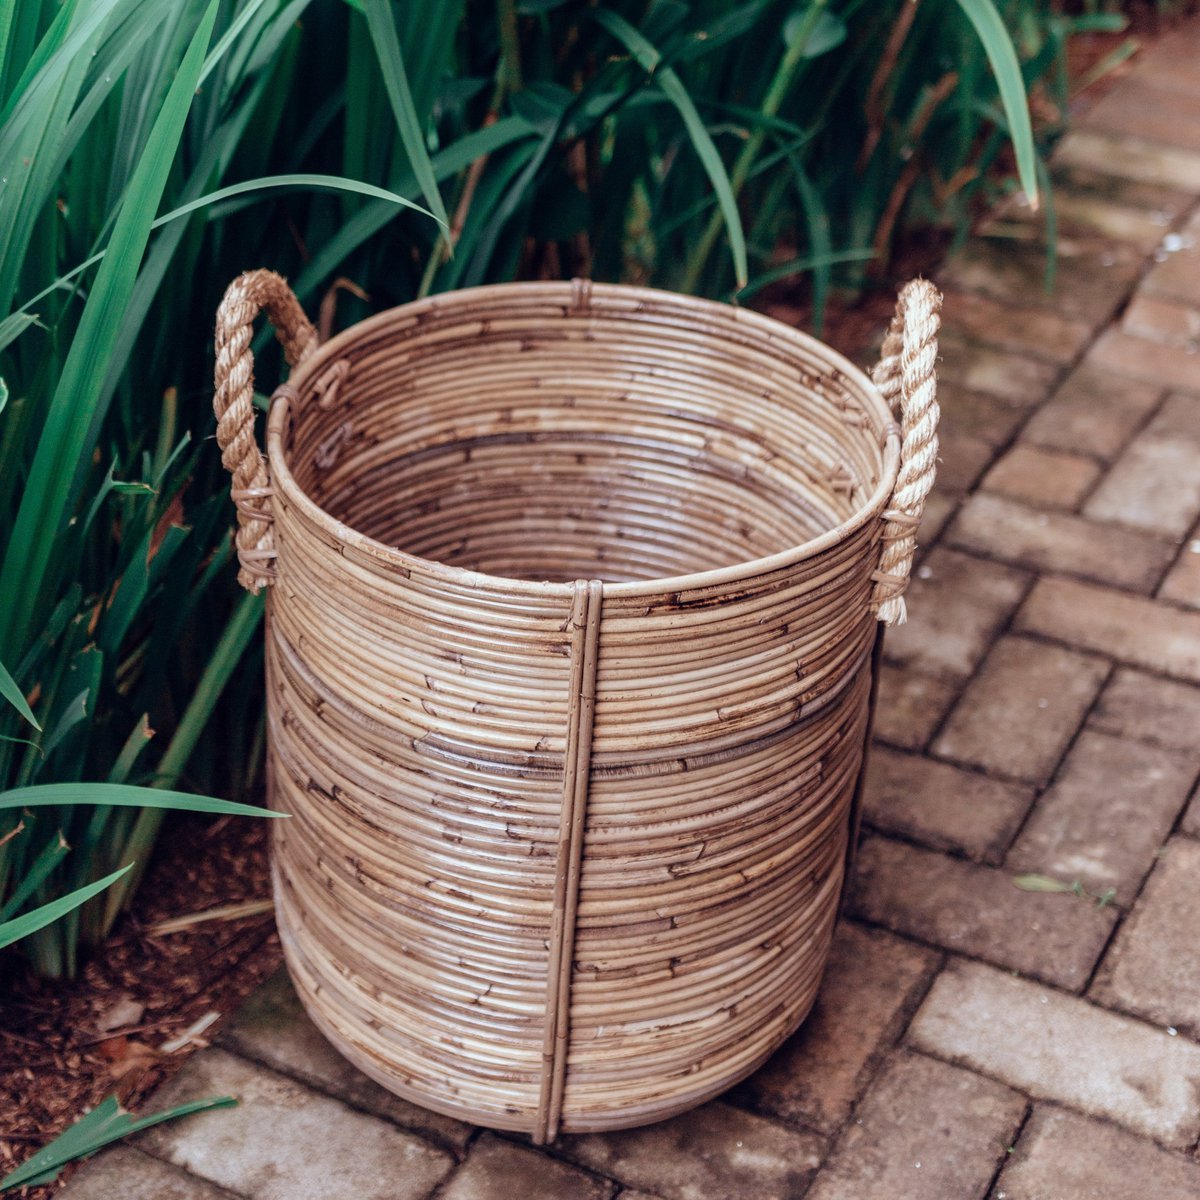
(44, 71)
(13, 326)
(331, 182)
(1007, 69)
(13, 694)
(54, 851)
(128, 796)
(64, 435)
(807, 263)
(228, 38)
(225, 656)
(106, 1123)
(7, 9)
(75, 711)
(651, 62)
(391, 63)
(459, 155)
(30, 922)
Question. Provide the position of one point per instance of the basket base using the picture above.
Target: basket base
(626, 1117)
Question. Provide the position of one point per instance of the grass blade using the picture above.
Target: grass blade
(14, 930)
(817, 218)
(7, 8)
(650, 61)
(1003, 57)
(225, 657)
(106, 1123)
(128, 796)
(13, 694)
(62, 444)
(51, 855)
(391, 64)
(796, 265)
(1041, 883)
(331, 182)
(13, 326)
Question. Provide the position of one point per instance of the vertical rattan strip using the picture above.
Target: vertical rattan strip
(585, 644)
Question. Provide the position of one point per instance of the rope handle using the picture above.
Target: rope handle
(907, 374)
(252, 293)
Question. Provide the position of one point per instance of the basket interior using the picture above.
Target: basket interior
(643, 436)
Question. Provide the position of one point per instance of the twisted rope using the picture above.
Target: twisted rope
(907, 374)
(233, 402)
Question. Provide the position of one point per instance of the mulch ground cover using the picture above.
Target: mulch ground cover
(144, 1004)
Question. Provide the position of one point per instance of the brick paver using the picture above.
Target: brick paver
(1059, 1047)
(713, 1151)
(1017, 378)
(286, 1142)
(1176, 274)
(979, 911)
(925, 1129)
(1191, 818)
(1131, 158)
(1049, 335)
(956, 605)
(1092, 279)
(132, 1175)
(498, 1170)
(272, 1028)
(870, 983)
(1093, 412)
(962, 461)
(1064, 1156)
(1160, 711)
(1147, 109)
(1059, 541)
(910, 707)
(941, 805)
(1159, 319)
(1182, 584)
(1153, 969)
(1140, 358)
(1043, 477)
(991, 419)
(1155, 484)
(1111, 807)
(1022, 709)
(1038, 715)
(1089, 203)
(1128, 628)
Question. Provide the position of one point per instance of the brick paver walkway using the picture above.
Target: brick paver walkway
(1040, 714)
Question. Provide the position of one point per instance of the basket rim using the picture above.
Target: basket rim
(564, 291)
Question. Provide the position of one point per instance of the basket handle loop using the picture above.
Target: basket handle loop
(907, 373)
(233, 401)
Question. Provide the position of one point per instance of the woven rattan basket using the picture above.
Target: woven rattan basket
(569, 657)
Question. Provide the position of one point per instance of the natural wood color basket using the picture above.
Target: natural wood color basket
(569, 659)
